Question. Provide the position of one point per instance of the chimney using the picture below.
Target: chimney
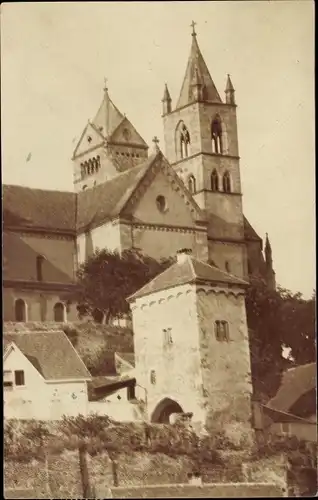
(183, 255)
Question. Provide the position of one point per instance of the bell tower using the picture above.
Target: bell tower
(201, 143)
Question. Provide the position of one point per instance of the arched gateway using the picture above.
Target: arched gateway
(164, 410)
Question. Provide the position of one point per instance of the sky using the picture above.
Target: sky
(55, 57)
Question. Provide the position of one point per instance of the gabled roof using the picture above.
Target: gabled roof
(38, 208)
(197, 67)
(107, 200)
(190, 270)
(108, 117)
(51, 353)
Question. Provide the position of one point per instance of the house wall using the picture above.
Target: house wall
(177, 366)
(38, 399)
(40, 304)
(305, 431)
(226, 371)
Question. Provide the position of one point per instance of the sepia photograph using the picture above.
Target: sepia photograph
(158, 249)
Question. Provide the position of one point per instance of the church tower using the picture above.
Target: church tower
(201, 144)
(108, 146)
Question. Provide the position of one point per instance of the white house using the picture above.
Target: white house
(43, 376)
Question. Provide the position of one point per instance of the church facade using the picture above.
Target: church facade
(190, 197)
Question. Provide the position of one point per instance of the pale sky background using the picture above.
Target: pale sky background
(54, 58)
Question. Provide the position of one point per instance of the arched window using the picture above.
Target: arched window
(98, 163)
(59, 313)
(192, 184)
(214, 181)
(182, 141)
(227, 266)
(90, 166)
(216, 135)
(222, 331)
(20, 310)
(226, 182)
(185, 141)
(39, 267)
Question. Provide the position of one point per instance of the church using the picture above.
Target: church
(127, 197)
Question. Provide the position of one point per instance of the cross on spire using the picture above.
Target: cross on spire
(155, 140)
(105, 84)
(192, 25)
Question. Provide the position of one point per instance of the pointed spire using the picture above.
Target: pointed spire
(166, 101)
(268, 251)
(108, 116)
(270, 273)
(229, 91)
(196, 61)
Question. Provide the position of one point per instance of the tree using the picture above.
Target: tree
(107, 278)
(277, 319)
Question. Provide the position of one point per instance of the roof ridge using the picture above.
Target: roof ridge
(220, 270)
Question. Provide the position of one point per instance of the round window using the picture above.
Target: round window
(161, 203)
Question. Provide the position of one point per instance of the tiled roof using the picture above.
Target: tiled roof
(106, 200)
(38, 208)
(188, 271)
(51, 353)
(295, 383)
(19, 262)
(196, 64)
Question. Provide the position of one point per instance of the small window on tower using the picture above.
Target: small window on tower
(214, 181)
(192, 184)
(153, 377)
(226, 182)
(216, 135)
(222, 331)
(227, 266)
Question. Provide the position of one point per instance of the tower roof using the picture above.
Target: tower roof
(196, 61)
(189, 270)
(166, 94)
(229, 85)
(108, 116)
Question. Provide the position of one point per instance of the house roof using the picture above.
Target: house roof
(190, 270)
(197, 67)
(295, 383)
(51, 353)
(38, 208)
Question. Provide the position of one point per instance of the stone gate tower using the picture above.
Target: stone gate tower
(201, 143)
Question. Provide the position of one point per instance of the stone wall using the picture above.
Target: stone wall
(244, 490)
